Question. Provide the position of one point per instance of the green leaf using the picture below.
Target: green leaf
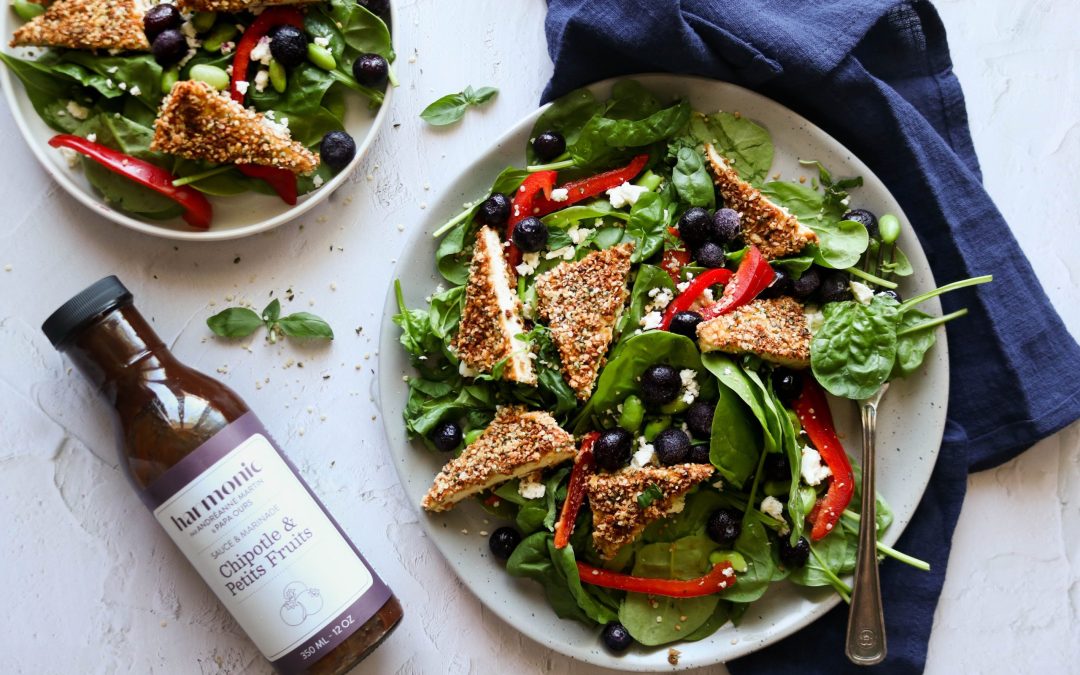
(827, 561)
(234, 322)
(735, 443)
(305, 325)
(753, 544)
(272, 311)
(630, 100)
(647, 225)
(445, 110)
(736, 379)
(649, 495)
(852, 354)
(363, 31)
(840, 242)
(648, 277)
(745, 144)
(692, 180)
(556, 570)
(481, 95)
(567, 115)
(602, 137)
(47, 90)
(911, 348)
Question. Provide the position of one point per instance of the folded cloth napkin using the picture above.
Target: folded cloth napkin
(876, 74)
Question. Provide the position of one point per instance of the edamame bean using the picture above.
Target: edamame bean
(655, 426)
(776, 488)
(471, 436)
(649, 180)
(212, 75)
(321, 56)
(632, 415)
(675, 407)
(169, 77)
(219, 36)
(203, 21)
(738, 563)
(278, 78)
(889, 226)
(27, 10)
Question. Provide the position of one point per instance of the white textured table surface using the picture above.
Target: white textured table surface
(93, 585)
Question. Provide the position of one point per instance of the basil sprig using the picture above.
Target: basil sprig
(452, 107)
(237, 322)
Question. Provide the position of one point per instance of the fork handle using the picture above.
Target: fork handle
(866, 619)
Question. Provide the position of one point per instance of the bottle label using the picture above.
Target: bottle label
(257, 535)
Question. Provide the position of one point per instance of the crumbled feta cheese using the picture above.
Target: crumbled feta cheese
(560, 195)
(682, 285)
(863, 293)
(812, 469)
(625, 195)
(529, 263)
(123, 86)
(578, 234)
(278, 128)
(70, 156)
(677, 505)
(772, 507)
(228, 47)
(566, 253)
(262, 78)
(77, 111)
(644, 456)
(690, 389)
(814, 318)
(112, 69)
(91, 137)
(242, 86)
(317, 181)
(661, 298)
(652, 320)
(466, 371)
(322, 41)
(261, 51)
(135, 91)
(531, 489)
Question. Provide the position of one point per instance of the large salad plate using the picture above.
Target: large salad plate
(910, 425)
(234, 217)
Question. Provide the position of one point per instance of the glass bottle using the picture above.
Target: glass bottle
(225, 494)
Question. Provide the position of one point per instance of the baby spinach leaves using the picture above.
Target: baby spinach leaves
(840, 242)
(452, 107)
(556, 570)
(853, 353)
(236, 322)
(568, 116)
(691, 178)
(746, 145)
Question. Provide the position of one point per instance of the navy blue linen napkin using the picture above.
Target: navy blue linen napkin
(876, 74)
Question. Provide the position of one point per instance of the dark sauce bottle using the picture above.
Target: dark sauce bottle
(226, 495)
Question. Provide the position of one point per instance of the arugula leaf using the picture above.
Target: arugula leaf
(649, 495)
(692, 180)
(234, 322)
(745, 144)
(852, 354)
(452, 107)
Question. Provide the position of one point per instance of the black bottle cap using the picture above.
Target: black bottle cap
(93, 301)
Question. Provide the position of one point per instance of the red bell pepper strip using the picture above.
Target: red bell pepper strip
(282, 180)
(197, 209)
(673, 261)
(753, 276)
(269, 19)
(718, 578)
(521, 206)
(575, 490)
(592, 186)
(683, 301)
(813, 411)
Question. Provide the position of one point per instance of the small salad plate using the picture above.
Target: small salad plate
(910, 426)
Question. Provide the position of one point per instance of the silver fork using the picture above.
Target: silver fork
(866, 619)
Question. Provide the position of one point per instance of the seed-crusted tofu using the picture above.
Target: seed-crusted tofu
(515, 444)
(581, 302)
(618, 517)
(198, 122)
(234, 5)
(87, 24)
(764, 224)
(776, 330)
(491, 320)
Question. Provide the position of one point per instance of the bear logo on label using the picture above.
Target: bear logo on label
(300, 603)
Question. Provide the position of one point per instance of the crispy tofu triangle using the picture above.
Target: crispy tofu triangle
(768, 226)
(774, 329)
(491, 319)
(581, 302)
(233, 5)
(198, 122)
(618, 516)
(515, 444)
(86, 24)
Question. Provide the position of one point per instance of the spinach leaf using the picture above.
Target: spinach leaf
(566, 563)
(554, 492)
(530, 516)
(556, 570)
(898, 265)
(647, 225)
(699, 505)
(692, 180)
(602, 137)
(735, 443)
(911, 348)
(684, 558)
(549, 374)
(840, 242)
(451, 108)
(139, 74)
(568, 116)
(753, 544)
(746, 145)
(720, 616)
(630, 100)
(648, 278)
(852, 354)
(418, 336)
(828, 560)
(47, 90)
(734, 378)
(564, 218)
(362, 30)
(794, 265)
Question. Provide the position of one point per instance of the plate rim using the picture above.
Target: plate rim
(97, 205)
(388, 339)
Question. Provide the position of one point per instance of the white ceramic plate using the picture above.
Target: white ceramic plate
(909, 428)
(234, 217)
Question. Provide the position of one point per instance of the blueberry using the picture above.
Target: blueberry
(503, 542)
(660, 384)
(612, 450)
(794, 557)
(782, 284)
(685, 323)
(380, 8)
(835, 287)
(807, 284)
(370, 69)
(169, 47)
(724, 527)
(288, 45)
(161, 18)
(446, 436)
(495, 210)
(891, 293)
(530, 234)
(727, 225)
(710, 255)
(337, 150)
(869, 220)
(787, 384)
(616, 637)
(699, 418)
(549, 145)
(672, 446)
(695, 226)
(699, 454)
(777, 467)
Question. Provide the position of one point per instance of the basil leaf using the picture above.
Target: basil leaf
(745, 144)
(446, 110)
(692, 180)
(272, 311)
(234, 322)
(852, 354)
(481, 95)
(649, 495)
(306, 325)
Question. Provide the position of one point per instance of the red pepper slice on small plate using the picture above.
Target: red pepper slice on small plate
(717, 579)
(575, 490)
(197, 209)
(753, 276)
(813, 410)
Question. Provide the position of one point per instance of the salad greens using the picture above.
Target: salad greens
(452, 107)
(755, 441)
(114, 100)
